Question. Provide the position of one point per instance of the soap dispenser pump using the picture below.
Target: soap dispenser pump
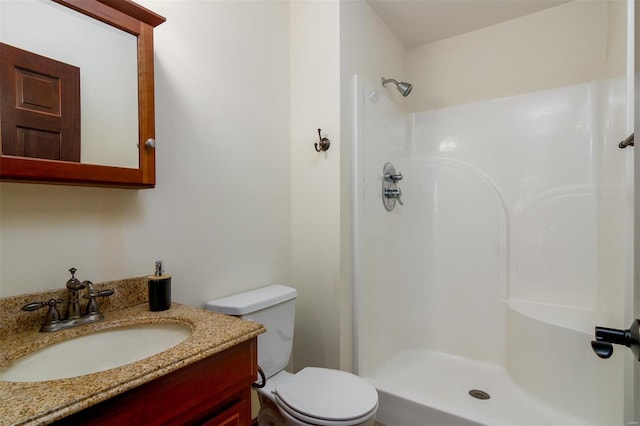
(159, 286)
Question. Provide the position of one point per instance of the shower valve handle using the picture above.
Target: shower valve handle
(394, 193)
(393, 178)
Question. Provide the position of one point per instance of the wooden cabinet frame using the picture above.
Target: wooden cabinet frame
(139, 21)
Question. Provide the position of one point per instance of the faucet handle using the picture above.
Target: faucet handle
(93, 293)
(37, 305)
(101, 293)
(52, 316)
(92, 305)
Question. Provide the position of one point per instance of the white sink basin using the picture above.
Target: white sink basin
(95, 352)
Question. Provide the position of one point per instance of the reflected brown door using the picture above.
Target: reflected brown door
(39, 106)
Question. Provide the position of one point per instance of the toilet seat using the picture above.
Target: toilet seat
(300, 418)
(327, 397)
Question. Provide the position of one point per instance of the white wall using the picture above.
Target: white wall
(220, 216)
(242, 198)
(315, 182)
(523, 55)
(368, 49)
(330, 42)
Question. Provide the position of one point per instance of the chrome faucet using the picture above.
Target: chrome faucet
(52, 320)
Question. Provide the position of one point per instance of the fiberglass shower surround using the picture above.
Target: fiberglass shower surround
(501, 248)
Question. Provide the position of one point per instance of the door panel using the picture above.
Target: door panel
(40, 106)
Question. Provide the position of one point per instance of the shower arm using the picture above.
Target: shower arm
(389, 80)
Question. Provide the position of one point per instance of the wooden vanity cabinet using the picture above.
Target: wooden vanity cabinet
(214, 391)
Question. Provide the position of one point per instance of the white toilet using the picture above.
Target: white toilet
(313, 396)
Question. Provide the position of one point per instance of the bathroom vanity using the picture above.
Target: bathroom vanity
(205, 379)
(213, 391)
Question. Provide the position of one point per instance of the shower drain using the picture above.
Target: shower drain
(478, 394)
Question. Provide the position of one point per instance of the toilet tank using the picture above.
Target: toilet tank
(272, 306)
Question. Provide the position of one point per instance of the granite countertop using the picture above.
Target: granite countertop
(36, 403)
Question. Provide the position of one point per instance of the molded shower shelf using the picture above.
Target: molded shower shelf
(582, 320)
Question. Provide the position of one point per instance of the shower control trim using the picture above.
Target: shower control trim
(390, 191)
(394, 193)
(393, 178)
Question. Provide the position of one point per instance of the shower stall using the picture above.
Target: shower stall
(475, 300)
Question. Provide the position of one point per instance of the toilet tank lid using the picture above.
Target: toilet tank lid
(252, 300)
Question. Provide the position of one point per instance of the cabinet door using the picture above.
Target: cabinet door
(232, 416)
(214, 391)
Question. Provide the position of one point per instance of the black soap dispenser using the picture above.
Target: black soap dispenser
(159, 286)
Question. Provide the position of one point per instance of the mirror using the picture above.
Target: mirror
(108, 66)
(111, 42)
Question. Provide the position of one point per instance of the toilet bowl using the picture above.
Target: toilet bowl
(322, 396)
(313, 396)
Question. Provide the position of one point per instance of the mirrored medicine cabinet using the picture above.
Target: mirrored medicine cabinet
(109, 44)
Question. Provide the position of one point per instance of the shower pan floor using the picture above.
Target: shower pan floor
(428, 387)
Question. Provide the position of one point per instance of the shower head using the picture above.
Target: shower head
(403, 87)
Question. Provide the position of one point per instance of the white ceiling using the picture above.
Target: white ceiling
(417, 22)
